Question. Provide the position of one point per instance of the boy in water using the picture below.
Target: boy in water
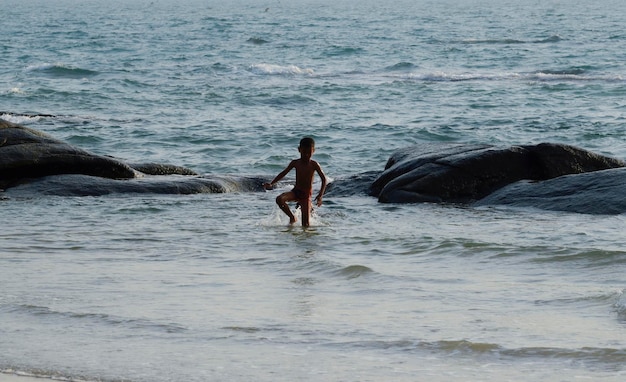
(303, 190)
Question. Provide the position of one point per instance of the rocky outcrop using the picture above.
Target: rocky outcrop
(34, 162)
(86, 185)
(598, 193)
(465, 173)
(28, 153)
(547, 176)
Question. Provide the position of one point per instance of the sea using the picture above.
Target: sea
(218, 287)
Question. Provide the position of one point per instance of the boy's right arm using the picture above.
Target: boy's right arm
(269, 186)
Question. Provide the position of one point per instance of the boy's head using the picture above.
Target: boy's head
(306, 148)
(307, 142)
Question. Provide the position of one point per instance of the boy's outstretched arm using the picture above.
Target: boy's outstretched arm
(319, 196)
(269, 186)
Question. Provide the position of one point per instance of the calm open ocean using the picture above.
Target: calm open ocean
(216, 287)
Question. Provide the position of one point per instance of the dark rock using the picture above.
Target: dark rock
(33, 162)
(162, 169)
(548, 176)
(28, 153)
(359, 184)
(598, 192)
(465, 173)
(85, 185)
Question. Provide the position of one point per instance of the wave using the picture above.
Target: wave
(567, 75)
(336, 51)
(34, 118)
(408, 72)
(440, 76)
(401, 66)
(508, 41)
(270, 69)
(611, 357)
(614, 300)
(23, 118)
(257, 41)
(554, 38)
(493, 41)
(97, 318)
(354, 271)
(15, 90)
(620, 307)
(563, 72)
(595, 258)
(61, 71)
(281, 101)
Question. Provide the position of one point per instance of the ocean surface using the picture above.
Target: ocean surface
(217, 287)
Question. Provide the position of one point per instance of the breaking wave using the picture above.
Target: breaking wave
(567, 75)
(613, 358)
(97, 318)
(270, 69)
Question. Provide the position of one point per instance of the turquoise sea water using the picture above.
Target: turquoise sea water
(217, 287)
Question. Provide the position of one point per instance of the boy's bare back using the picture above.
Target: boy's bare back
(305, 172)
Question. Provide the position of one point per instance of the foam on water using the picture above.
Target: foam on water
(277, 218)
(20, 119)
(272, 69)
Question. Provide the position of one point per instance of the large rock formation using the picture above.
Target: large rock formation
(465, 173)
(28, 153)
(547, 176)
(598, 192)
(32, 161)
(87, 185)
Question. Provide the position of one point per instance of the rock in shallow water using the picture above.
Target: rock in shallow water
(28, 153)
(598, 192)
(547, 176)
(465, 173)
(86, 185)
(33, 162)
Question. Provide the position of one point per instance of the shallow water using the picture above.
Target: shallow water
(218, 287)
(170, 289)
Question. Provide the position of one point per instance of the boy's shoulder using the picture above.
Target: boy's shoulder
(299, 161)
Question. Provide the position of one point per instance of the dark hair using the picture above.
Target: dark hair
(307, 142)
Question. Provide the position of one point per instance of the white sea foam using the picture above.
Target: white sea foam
(42, 66)
(620, 304)
(271, 69)
(20, 119)
(16, 90)
(277, 218)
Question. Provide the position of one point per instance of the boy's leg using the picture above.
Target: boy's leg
(305, 206)
(282, 200)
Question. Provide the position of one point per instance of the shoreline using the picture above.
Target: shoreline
(12, 377)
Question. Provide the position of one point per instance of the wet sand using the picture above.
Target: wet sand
(20, 378)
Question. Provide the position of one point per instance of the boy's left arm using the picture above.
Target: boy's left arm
(319, 196)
